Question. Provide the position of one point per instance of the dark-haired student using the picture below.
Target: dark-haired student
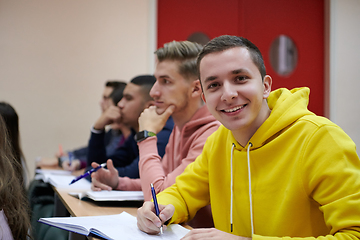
(14, 211)
(11, 120)
(126, 158)
(274, 170)
(177, 92)
(79, 155)
(114, 136)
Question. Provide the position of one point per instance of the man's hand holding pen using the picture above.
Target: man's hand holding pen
(149, 222)
(104, 179)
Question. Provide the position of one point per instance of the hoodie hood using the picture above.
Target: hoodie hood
(286, 107)
(201, 118)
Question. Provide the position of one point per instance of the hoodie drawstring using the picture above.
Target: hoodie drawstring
(250, 194)
(231, 188)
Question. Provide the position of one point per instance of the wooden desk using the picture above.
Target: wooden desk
(65, 204)
(80, 208)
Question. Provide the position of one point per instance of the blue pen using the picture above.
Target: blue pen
(71, 157)
(88, 173)
(156, 205)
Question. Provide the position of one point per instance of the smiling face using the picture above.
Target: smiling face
(234, 91)
(170, 88)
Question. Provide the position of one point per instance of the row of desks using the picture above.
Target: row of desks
(65, 203)
(80, 208)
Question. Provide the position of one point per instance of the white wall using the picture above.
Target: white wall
(344, 66)
(55, 57)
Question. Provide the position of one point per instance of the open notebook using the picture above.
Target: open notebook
(119, 226)
(110, 195)
(61, 179)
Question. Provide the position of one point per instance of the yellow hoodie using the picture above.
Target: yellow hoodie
(302, 169)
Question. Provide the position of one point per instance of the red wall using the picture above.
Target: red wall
(261, 21)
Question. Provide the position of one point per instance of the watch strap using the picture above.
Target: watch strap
(141, 136)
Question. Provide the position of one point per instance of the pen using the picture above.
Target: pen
(70, 154)
(88, 173)
(156, 205)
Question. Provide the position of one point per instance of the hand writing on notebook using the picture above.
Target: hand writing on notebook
(104, 179)
(149, 222)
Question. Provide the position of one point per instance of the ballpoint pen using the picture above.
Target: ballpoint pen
(156, 205)
(71, 157)
(88, 173)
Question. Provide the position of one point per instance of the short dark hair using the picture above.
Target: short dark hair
(225, 42)
(113, 83)
(146, 82)
(117, 94)
(185, 52)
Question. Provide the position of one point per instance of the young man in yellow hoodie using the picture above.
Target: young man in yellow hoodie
(273, 170)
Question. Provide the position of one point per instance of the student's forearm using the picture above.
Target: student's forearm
(128, 184)
(150, 167)
(100, 124)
